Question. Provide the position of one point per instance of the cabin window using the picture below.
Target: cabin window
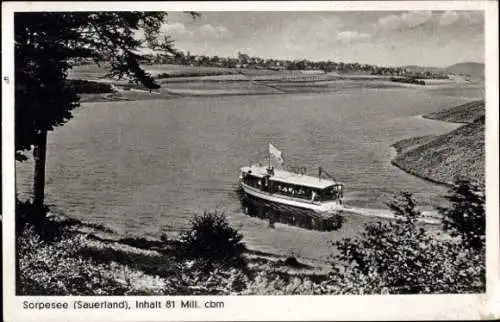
(252, 181)
(331, 193)
(294, 191)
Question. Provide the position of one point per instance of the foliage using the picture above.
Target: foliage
(43, 99)
(402, 257)
(466, 216)
(267, 282)
(211, 240)
(47, 268)
(195, 280)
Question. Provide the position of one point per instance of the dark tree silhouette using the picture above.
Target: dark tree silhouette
(46, 44)
(466, 217)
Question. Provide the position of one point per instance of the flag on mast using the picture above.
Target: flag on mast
(275, 154)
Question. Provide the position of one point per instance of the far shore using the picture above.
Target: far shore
(180, 81)
(197, 88)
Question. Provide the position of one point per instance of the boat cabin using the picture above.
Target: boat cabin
(289, 184)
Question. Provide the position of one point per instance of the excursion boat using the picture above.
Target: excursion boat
(292, 194)
(292, 189)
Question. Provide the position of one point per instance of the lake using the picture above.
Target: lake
(146, 167)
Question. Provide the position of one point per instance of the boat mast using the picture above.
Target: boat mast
(269, 157)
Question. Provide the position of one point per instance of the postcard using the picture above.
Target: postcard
(185, 161)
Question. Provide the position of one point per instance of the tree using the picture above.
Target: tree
(45, 45)
(402, 257)
(466, 217)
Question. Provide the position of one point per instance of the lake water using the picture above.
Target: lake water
(145, 167)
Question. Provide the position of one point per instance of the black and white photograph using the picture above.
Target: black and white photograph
(213, 152)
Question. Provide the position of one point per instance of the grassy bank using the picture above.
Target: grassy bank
(70, 257)
(460, 153)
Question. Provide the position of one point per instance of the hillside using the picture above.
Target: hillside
(465, 113)
(441, 158)
(474, 70)
(458, 153)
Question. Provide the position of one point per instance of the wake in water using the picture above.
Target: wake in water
(428, 217)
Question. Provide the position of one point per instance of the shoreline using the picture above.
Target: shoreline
(397, 152)
(97, 232)
(456, 141)
(445, 184)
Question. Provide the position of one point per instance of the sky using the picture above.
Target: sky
(396, 38)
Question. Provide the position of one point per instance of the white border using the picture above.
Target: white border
(271, 307)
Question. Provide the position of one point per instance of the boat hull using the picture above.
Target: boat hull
(274, 208)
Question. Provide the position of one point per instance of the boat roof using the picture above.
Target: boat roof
(290, 177)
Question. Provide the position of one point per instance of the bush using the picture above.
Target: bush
(212, 241)
(401, 257)
(55, 268)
